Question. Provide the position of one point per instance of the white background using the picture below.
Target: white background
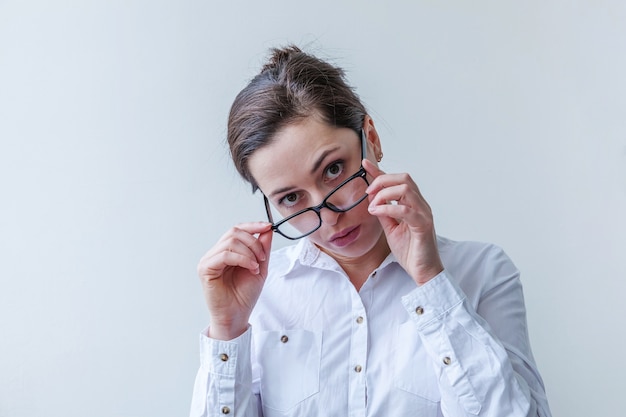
(114, 176)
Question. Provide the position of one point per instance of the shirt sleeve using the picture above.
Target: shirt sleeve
(223, 385)
(482, 372)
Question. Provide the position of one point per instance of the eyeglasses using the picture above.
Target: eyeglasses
(347, 195)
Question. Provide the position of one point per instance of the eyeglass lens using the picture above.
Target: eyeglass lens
(341, 199)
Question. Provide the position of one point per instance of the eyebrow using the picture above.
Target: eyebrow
(316, 166)
(321, 158)
(281, 190)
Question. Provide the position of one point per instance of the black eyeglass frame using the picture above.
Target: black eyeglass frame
(324, 204)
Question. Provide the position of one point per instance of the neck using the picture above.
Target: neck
(359, 268)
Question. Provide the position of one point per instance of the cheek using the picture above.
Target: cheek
(371, 228)
(362, 212)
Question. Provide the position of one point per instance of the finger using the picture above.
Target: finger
(242, 260)
(390, 194)
(419, 217)
(212, 267)
(254, 227)
(388, 223)
(252, 242)
(371, 168)
(245, 233)
(244, 244)
(401, 202)
(237, 248)
(265, 239)
(390, 180)
(240, 247)
(396, 211)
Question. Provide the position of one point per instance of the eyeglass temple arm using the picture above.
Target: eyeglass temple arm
(363, 145)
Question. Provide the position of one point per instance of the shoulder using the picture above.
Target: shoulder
(472, 253)
(477, 267)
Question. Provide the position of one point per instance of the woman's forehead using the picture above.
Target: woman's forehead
(298, 151)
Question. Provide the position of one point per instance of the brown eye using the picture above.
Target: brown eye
(289, 200)
(334, 170)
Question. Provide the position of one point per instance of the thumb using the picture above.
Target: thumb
(371, 168)
(265, 239)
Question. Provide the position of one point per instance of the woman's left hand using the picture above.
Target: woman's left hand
(407, 221)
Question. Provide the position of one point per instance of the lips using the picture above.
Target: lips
(345, 237)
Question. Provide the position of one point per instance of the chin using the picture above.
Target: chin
(360, 247)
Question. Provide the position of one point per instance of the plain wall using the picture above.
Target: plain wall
(114, 177)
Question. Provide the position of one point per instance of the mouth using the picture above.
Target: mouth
(345, 237)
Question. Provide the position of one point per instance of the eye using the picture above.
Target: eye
(290, 200)
(334, 170)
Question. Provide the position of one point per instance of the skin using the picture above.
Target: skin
(234, 270)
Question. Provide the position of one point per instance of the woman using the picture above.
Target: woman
(370, 313)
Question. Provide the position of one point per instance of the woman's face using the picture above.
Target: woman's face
(307, 160)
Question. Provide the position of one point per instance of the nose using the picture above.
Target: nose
(329, 217)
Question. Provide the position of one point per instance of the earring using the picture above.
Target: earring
(379, 157)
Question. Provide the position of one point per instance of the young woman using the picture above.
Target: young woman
(370, 313)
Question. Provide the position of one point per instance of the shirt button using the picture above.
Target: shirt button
(224, 357)
(447, 360)
(358, 368)
(284, 339)
(359, 319)
(225, 410)
(419, 310)
(374, 274)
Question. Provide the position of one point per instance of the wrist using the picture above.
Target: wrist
(428, 274)
(226, 331)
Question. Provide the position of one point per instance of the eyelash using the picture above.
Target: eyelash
(340, 163)
(284, 199)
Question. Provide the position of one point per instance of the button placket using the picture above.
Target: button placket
(358, 349)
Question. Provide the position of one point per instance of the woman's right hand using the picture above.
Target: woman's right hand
(232, 274)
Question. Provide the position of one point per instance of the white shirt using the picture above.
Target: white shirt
(455, 346)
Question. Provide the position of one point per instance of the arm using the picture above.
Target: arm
(483, 358)
(232, 274)
(484, 371)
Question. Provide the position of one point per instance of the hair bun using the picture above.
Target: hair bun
(280, 56)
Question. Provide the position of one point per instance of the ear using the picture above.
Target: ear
(374, 147)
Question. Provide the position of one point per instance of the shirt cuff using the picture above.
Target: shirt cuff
(221, 357)
(429, 302)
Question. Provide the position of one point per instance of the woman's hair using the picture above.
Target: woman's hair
(291, 86)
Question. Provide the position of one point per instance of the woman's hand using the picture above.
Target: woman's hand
(407, 221)
(232, 274)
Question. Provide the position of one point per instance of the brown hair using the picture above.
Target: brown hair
(291, 86)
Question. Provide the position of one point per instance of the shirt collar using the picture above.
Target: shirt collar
(306, 254)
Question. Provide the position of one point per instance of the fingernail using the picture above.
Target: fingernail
(371, 209)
